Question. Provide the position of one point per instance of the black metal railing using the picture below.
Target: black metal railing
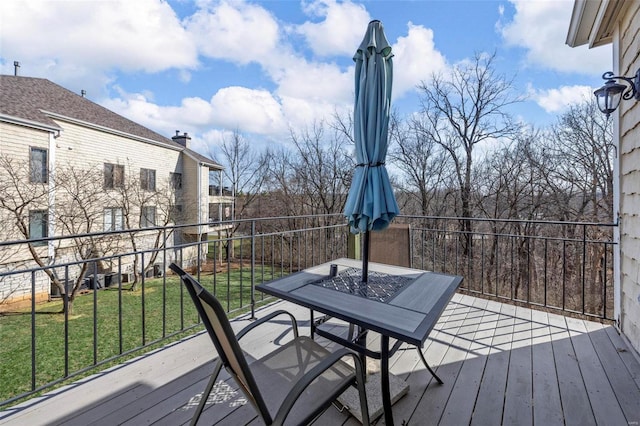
(564, 266)
(93, 320)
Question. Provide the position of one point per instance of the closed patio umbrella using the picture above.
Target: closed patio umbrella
(371, 205)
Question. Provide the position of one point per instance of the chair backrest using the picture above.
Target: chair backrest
(217, 324)
(392, 246)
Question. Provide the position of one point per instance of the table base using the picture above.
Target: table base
(351, 400)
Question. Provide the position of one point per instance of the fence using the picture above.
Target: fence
(94, 321)
(564, 266)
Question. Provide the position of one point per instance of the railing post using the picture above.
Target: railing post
(253, 269)
(33, 330)
(584, 265)
(353, 246)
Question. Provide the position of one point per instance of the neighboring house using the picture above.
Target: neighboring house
(596, 23)
(70, 154)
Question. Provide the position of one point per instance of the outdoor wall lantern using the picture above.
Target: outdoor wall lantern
(610, 95)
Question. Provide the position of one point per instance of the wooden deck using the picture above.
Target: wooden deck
(501, 364)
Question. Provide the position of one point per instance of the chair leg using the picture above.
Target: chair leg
(206, 393)
(361, 373)
(424, 361)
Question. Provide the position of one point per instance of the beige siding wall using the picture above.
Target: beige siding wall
(85, 148)
(190, 184)
(15, 142)
(629, 62)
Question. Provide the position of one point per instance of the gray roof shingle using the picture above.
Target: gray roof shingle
(29, 98)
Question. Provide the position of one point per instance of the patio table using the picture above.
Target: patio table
(396, 302)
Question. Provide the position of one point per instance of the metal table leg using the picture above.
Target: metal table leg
(426, 364)
(384, 380)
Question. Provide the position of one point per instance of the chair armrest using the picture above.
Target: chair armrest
(266, 318)
(311, 375)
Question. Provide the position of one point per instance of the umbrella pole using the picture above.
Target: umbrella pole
(365, 257)
(362, 332)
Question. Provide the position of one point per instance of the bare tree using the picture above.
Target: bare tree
(245, 169)
(80, 199)
(322, 170)
(147, 209)
(77, 208)
(582, 150)
(461, 111)
(423, 165)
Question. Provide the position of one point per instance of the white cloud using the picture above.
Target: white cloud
(315, 82)
(192, 113)
(415, 59)
(541, 28)
(339, 32)
(248, 110)
(557, 100)
(234, 31)
(209, 142)
(69, 40)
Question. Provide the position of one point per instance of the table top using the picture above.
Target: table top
(399, 302)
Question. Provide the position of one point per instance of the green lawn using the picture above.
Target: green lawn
(167, 309)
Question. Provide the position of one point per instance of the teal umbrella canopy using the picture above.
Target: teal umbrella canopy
(371, 204)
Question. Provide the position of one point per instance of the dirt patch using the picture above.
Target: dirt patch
(22, 303)
(207, 267)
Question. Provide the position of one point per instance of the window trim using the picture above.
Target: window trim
(144, 217)
(176, 180)
(113, 219)
(113, 178)
(44, 225)
(147, 179)
(42, 175)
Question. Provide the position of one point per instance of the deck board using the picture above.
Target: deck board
(501, 365)
(599, 390)
(624, 387)
(518, 409)
(460, 328)
(547, 407)
(459, 408)
(575, 402)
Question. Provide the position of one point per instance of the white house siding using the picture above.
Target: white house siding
(15, 142)
(81, 147)
(85, 147)
(190, 182)
(628, 46)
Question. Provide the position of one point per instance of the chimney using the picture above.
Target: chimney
(184, 139)
(83, 93)
(16, 65)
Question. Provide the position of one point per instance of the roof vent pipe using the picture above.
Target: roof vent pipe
(16, 65)
(83, 93)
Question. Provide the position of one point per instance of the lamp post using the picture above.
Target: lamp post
(610, 95)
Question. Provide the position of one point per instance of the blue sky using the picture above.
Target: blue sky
(210, 67)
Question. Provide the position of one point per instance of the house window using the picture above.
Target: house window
(148, 179)
(113, 219)
(220, 212)
(113, 176)
(176, 180)
(176, 213)
(38, 165)
(148, 217)
(38, 226)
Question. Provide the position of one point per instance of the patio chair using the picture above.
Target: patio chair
(294, 384)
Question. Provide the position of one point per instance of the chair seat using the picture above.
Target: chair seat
(277, 373)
